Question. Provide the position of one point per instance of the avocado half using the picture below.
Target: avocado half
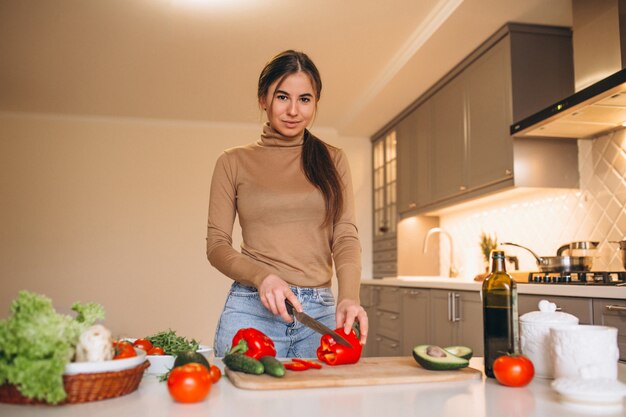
(435, 358)
(460, 351)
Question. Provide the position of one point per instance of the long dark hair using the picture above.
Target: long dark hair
(317, 164)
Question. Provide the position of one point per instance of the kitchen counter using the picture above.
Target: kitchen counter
(469, 398)
(464, 284)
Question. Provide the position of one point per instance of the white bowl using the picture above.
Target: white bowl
(113, 365)
(162, 364)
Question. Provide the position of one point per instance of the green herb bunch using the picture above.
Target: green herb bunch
(171, 343)
(487, 244)
(36, 343)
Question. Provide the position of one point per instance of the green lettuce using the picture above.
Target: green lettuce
(36, 343)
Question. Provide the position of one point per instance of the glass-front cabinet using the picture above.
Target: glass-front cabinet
(385, 205)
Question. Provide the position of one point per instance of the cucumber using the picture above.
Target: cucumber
(460, 351)
(273, 366)
(242, 363)
(435, 358)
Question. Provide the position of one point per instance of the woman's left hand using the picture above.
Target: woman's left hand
(349, 311)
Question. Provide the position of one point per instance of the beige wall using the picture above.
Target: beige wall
(114, 211)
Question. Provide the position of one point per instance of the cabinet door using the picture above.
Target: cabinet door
(468, 315)
(413, 135)
(490, 145)
(369, 297)
(577, 306)
(443, 330)
(415, 318)
(448, 147)
(612, 312)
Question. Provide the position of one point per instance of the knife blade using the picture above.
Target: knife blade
(311, 323)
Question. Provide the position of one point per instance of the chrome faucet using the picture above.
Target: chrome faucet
(453, 272)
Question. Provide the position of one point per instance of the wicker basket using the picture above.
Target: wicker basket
(81, 388)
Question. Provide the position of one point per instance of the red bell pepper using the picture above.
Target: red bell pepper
(252, 342)
(334, 353)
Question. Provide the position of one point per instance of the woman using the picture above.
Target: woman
(293, 195)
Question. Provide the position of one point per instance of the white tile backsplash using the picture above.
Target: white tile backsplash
(543, 221)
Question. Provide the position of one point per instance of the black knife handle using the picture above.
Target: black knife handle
(290, 307)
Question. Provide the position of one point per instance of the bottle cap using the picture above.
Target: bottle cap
(497, 254)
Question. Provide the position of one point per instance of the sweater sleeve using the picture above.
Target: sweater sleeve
(346, 247)
(222, 211)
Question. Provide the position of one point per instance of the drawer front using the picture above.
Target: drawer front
(579, 307)
(612, 312)
(387, 347)
(390, 299)
(389, 244)
(385, 256)
(388, 324)
(384, 269)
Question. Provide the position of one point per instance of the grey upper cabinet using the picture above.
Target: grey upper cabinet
(454, 142)
(489, 145)
(448, 148)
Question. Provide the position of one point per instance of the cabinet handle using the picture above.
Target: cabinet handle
(412, 205)
(394, 345)
(449, 306)
(612, 307)
(508, 172)
(452, 308)
(383, 229)
(379, 339)
(414, 292)
(462, 188)
(457, 308)
(393, 317)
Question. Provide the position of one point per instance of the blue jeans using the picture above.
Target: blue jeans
(244, 309)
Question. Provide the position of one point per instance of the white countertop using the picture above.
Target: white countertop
(480, 398)
(464, 284)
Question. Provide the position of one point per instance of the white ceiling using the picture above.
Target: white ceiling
(200, 59)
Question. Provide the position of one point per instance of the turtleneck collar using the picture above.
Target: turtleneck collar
(271, 137)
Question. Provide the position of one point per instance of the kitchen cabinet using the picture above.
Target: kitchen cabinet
(414, 150)
(416, 318)
(383, 306)
(577, 306)
(384, 205)
(457, 319)
(454, 142)
(612, 312)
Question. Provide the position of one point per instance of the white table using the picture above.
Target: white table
(479, 398)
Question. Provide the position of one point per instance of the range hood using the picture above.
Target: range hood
(591, 112)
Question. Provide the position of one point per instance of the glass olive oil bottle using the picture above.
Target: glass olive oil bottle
(499, 294)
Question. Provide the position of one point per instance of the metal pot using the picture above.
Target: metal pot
(622, 249)
(559, 263)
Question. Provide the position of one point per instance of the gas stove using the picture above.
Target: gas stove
(578, 278)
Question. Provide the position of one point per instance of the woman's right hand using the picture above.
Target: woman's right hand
(273, 291)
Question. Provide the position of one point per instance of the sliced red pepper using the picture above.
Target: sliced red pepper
(296, 366)
(252, 342)
(310, 364)
(333, 353)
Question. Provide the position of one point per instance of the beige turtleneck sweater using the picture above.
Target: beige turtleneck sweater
(281, 214)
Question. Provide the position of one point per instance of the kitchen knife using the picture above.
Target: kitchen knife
(311, 323)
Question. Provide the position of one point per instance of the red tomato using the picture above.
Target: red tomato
(513, 370)
(156, 351)
(143, 344)
(123, 349)
(216, 374)
(189, 383)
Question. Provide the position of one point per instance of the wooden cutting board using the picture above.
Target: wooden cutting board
(368, 371)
